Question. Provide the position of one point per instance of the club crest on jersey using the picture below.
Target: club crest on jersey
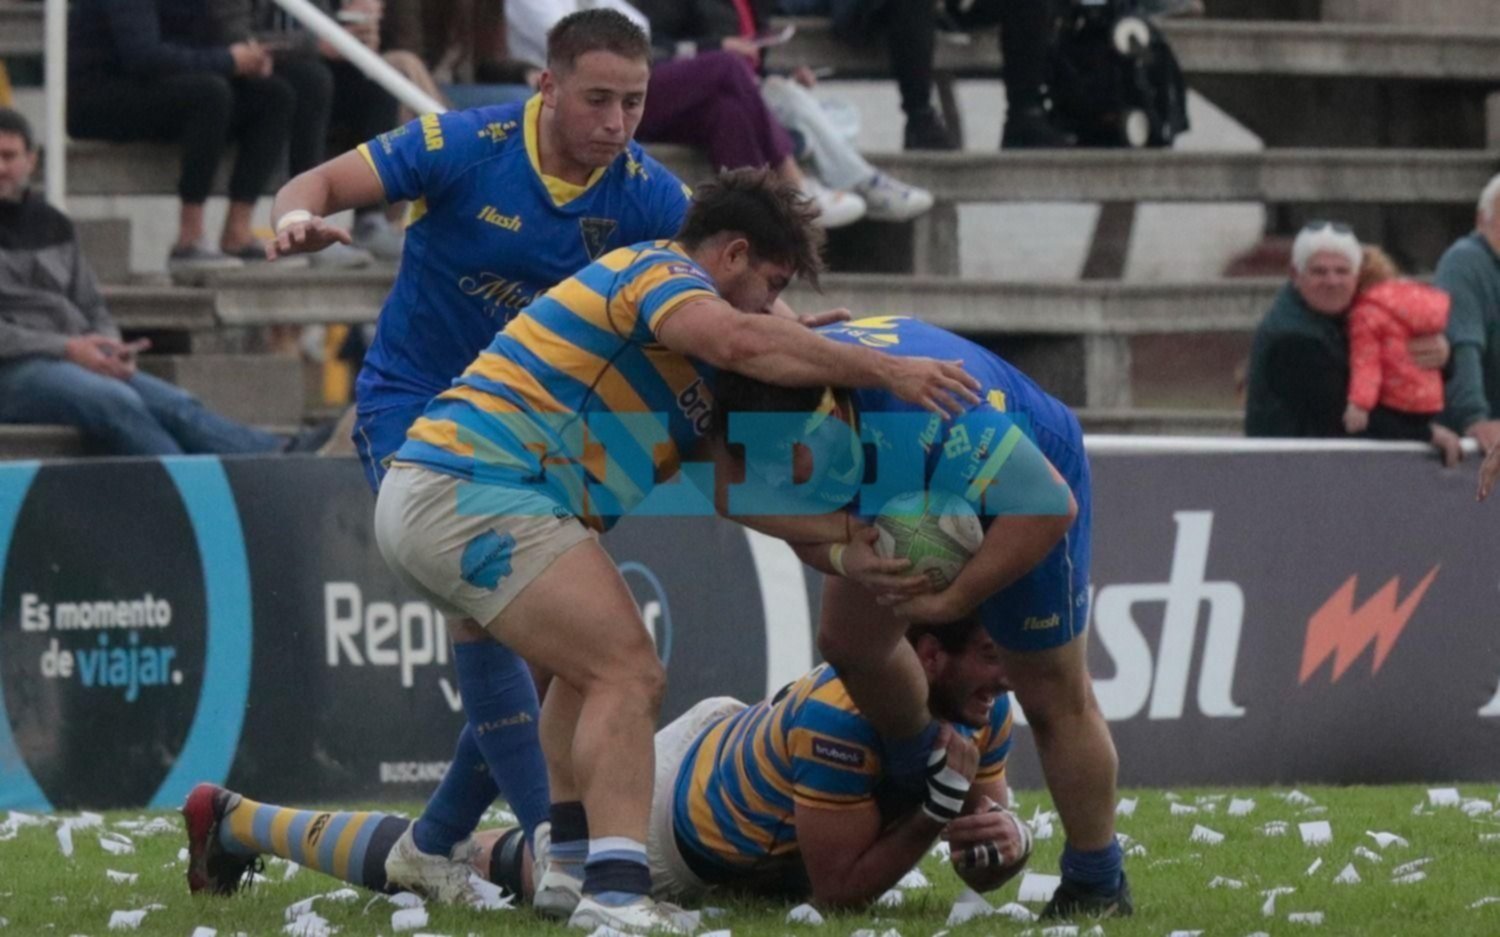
(596, 234)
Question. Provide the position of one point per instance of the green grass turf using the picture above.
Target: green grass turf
(43, 893)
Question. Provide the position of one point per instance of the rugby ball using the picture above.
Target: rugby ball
(937, 531)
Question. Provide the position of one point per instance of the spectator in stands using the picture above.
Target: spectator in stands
(150, 70)
(910, 28)
(711, 102)
(336, 103)
(61, 356)
(1389, 396)
(1470, 272)
(1298, 379)
(727, 29)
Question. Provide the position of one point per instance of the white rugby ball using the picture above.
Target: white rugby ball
(937, 531)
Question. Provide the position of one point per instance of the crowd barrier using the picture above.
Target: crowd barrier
(1260, 614)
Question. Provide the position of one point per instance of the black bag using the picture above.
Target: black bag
(1115, 81)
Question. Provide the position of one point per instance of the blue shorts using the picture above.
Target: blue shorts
(1048, 607)
(379, 433)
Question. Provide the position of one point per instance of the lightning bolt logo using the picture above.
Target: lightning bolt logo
(1341, 631)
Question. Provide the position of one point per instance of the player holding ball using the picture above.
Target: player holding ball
(1012, 466)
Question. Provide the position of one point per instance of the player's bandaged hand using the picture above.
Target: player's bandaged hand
(991, 838)
(950, 770)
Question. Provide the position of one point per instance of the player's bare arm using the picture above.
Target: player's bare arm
(779, 351)
(850, 860)
(303, 204)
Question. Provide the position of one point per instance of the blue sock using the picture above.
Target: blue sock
(500, 701)
(456, 807)
(1099, 870)
(616, 872)
(570, 837)
(906, 758)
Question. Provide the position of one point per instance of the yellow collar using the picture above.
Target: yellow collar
(561, 190)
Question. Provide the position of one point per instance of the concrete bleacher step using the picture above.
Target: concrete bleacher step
(1144, 422)
(1365, 176)
(1213, 47)
(21, 30)
(253, 388)
(161, 308)
(38, 442)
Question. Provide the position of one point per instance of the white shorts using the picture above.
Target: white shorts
(671, 879)
(470, 562)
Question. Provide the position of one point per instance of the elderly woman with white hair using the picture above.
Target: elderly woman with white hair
(1298, 379)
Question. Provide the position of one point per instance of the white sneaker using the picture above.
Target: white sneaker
(444, 879)
(836, 207)
(642, 916)
(889, 199)
(558, 894)
(341, 257)
(375, 234)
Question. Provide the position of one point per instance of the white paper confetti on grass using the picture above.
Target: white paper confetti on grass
(1126, 807)
(1038, 887)
(1406, 868)
(914, 879)
(1171, 795)
(299, 908)
(1386, 840)
(204, 932)
(65, 840)
(941, 852)
(1061, 930)
(346, 895)
(308, 925)
(1368, 854)
(1275, 828)
(891, 899)
(1443, 796)
(408, 919)
(1298, 799)
(1315, 918)
(1182, 810)
(1185, 933)
(1411, 879)
(1016, 912)
(715, 933)
(492, 897)
(1349, 876)
(85, 821)
(1476, 808)
(1317, 864)
(401, 899)
(1316, 832)
(1219, 881)
(1136, 851)
(17, 819)
(1241, 806)
(116, 848)
(804, 914)
(968, 906)
(121, 878)
(126, 920)
(1269, 908)
(1202, 834)
(1482, 902)
(1489, 837)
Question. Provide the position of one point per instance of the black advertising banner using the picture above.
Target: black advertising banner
(1257, 617)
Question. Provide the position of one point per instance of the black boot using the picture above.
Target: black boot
(1031, 128)
(1071, 902)
(925, 131)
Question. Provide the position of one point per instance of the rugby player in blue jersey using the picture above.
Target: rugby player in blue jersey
(789, 798)
(1018, 459)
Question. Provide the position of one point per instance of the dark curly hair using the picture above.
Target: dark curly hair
(773, 215)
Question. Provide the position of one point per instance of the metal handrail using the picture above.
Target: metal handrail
(355, 53)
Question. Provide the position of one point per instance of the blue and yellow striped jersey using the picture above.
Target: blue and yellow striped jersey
(739, 785)
(488, 234)
(576, 395)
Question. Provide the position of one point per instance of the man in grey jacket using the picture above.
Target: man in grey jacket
(61, 356)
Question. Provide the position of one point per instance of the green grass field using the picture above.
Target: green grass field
(41, 892)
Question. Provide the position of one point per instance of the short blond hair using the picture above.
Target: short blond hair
(1376, 267)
